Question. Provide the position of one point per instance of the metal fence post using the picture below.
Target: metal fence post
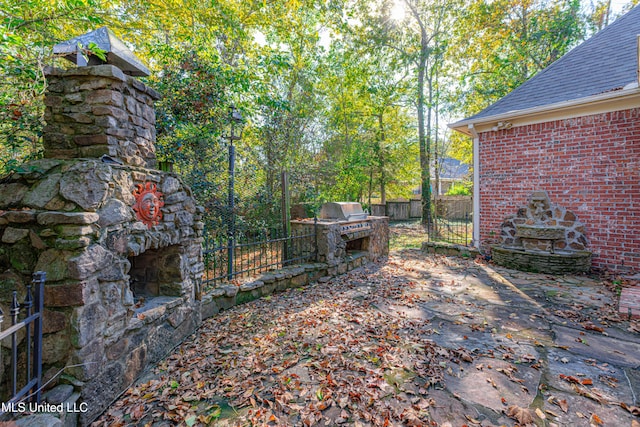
(28, 305)
(286, 225)
(466, 228)
(39, 278)
(315, 235)
(231, 225)
(15, 310)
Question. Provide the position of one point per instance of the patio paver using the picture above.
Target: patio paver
(506, 344)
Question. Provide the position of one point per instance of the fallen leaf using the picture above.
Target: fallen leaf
(569, 379)
(595, 420)
(563, 405)
(465, 356)
(591, 327)
(550, 412)
(191, 420)
(472, 420)
(587, 381)
(522, 415)
(593, 396)
(633, 409)
(540, 414)
(137, 412)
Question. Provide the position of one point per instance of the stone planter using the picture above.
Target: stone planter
(541, 262)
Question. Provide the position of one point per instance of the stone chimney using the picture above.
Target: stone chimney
(120, 241)
(98, 110)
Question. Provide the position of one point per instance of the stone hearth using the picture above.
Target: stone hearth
(119, 240)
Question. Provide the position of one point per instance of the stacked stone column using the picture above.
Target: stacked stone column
(92, 111)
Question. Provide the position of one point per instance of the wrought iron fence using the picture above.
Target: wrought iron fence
(252, 253)
(32, 346)
(452, 221)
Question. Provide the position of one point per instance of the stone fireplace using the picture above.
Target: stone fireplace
(120, 241)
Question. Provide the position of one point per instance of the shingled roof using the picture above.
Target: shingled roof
(453, 169)
(605, 62)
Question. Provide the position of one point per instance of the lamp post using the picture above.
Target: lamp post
(235, 119)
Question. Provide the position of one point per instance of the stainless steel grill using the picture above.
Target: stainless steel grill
(343, 211)
(355, 223)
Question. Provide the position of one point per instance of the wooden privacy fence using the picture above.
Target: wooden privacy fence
(453, 207)
(378, 210)
(398, 210)
(32, 325)
(445, 207)
(415, 209)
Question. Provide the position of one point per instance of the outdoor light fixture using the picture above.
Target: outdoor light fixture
(235, 118)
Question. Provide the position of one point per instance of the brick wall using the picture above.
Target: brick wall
(589, 165)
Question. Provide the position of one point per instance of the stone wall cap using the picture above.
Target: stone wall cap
(251, 285)
(104, 70)
(230, 290)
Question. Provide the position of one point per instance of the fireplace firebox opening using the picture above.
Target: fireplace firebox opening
(156, 273)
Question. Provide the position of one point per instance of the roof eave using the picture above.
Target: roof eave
(594, 104)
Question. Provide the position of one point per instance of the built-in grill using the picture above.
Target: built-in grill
(355, 223)
(343, 211)
(345, 235)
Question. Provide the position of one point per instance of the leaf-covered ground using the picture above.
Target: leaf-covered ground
(416, 341)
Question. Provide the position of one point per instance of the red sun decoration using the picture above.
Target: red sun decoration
(148, 203)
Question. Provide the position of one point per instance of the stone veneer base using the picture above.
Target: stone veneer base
(537, 262)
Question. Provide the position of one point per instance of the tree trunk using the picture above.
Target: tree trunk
(381, 161)
(424, 136)
(424, 139)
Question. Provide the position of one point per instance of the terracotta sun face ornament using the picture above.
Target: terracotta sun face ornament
(148, 204)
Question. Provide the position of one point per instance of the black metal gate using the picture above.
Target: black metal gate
(32, 310)
(452, 220)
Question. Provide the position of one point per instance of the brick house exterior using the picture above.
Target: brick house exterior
(573, 130)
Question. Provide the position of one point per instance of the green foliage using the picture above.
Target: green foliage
(92, 49)
(458, 189)
(342, 95)
(29, 28)
(501, 44)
